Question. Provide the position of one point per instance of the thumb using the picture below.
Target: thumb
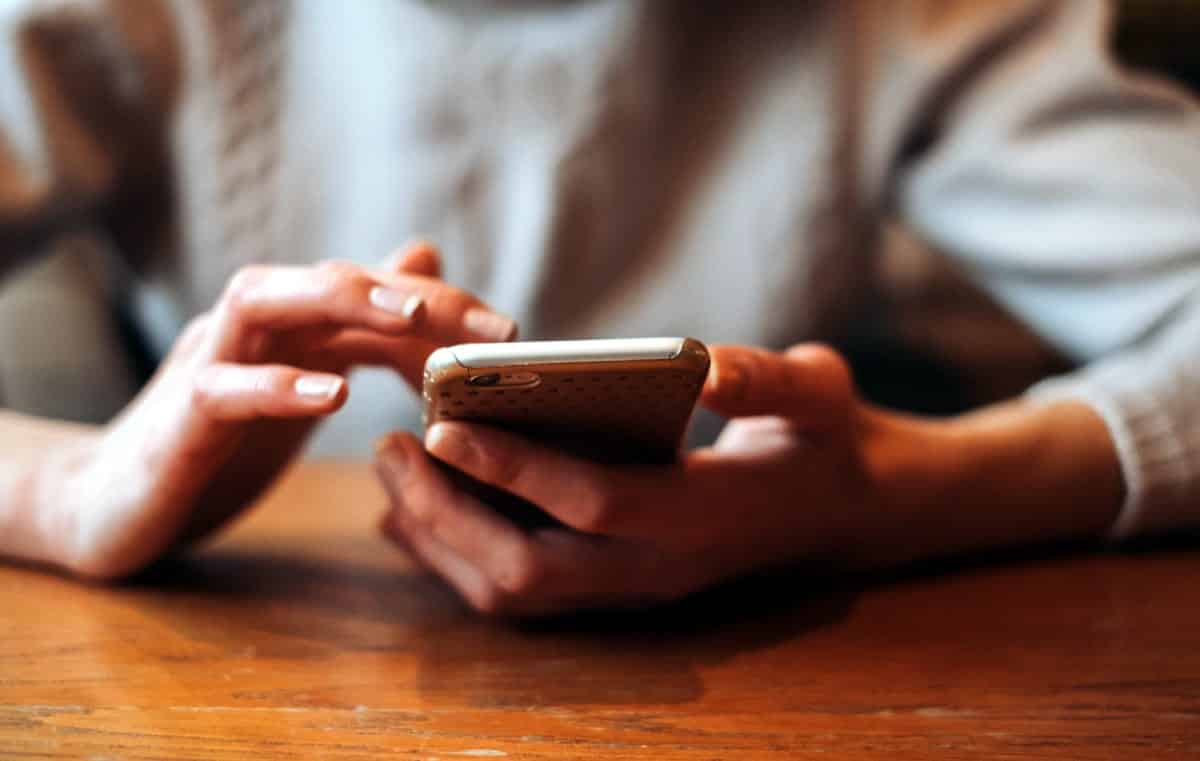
(809, 384)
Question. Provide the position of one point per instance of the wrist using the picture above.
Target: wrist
(40, 463)
(1008, 475)
(910, 472)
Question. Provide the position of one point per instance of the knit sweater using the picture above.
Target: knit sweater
(633, 167)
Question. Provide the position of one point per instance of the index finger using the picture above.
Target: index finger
(452, 315)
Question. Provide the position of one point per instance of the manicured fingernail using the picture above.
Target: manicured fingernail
(487, 325)
(392, 457)
(403, 304)
(387, 441)
(319, 387)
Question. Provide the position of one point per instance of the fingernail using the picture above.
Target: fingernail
(386, 441)
(487, 325)
(392, 457)
(321, 387)
(403, 304)
(448, 443)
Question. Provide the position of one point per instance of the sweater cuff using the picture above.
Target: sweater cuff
(1154, 453)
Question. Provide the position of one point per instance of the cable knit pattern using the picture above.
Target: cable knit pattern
(1152, 408)
(247, 42)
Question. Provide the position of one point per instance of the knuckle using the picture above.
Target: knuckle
(336, 267)
(759, 366)
(270, 381)
(419, 512)
(827, 365)
(191, 338)
(240, 292)
(597, 510)
(338, 275)
(338, 280)
(245, 280)
(431, 520)
(195, 328)
(201, 390)
(403, 533)
(401, 522)
(822, 356)
(442, 299)
(341, 279)
(502, 468)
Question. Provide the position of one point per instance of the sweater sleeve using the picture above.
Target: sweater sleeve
(1070, 190)
(85, 89)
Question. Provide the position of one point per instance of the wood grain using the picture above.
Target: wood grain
(300, 634)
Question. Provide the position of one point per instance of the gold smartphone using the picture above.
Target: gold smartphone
(613, 400)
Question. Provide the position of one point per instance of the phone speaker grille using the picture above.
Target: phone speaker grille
(645, 409)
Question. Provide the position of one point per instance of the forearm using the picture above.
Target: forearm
(37, 459)
(1008, 475)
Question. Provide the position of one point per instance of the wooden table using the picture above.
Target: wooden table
(300, 634)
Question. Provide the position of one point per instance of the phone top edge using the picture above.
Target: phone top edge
(485, 355)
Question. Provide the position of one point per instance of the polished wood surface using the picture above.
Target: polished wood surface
(300, 634)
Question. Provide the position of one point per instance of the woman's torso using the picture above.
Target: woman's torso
(605, 168)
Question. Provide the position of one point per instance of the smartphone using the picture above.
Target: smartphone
(611, 400)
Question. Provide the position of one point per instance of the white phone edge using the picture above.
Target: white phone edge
(487, 355)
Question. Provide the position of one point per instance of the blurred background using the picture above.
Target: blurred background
(1161, 35)
(952, 348)
(934, 344)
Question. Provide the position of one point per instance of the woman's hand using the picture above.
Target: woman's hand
(804, 472)
(787, 479)
(235, 398)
